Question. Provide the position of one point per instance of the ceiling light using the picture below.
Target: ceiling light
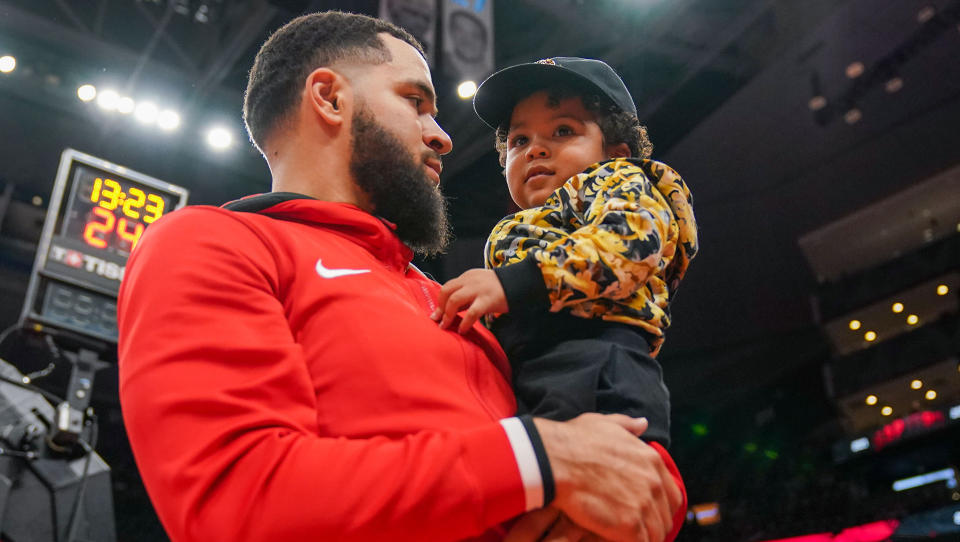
(886, 411)
(86, 93)
(817, 103)
(916, 384)
(930, 395)
(870, 336)
(897, 307)
(942, 289)
(37, 201)
(219, 138)
(913, 319)
(854, 70)
(168, 120)
(108, 100)
(854, 324)
(146, 112)
(125, 105)
(926, 13)
(467, 89)
(871, 399)
(894, 84)
(852, 116)
(7, 63)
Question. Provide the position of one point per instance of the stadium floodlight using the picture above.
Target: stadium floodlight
(108, 100)
(86, 93)
(8, 63)
(168, 120)
(146, 112)
(126, 105)
(467, 89)
(219, 138)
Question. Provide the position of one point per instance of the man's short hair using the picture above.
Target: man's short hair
(616, 125)
(304, 44)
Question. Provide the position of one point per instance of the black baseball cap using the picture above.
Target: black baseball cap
(499, 93)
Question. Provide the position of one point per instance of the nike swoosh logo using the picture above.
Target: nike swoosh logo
(334, 273)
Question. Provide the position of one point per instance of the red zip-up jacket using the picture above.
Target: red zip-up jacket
(281, 379)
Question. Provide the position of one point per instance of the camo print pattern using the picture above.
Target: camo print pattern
(613, 242)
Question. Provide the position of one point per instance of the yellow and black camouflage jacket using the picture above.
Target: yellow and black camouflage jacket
(612, 243)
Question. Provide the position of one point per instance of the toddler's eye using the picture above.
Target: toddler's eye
(518, 141)
(563, 130)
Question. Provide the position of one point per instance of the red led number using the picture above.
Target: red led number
(133, 236)
(95, 232)
(135, 205)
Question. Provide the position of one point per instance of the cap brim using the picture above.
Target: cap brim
(499, 93)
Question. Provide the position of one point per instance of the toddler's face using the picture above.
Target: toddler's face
(547, 143)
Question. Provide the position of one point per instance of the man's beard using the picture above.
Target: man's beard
(398, 187)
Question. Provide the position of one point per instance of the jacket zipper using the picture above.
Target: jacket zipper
(426, 295)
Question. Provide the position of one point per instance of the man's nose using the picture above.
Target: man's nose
(436, 138)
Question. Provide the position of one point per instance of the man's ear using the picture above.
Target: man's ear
(326, 93)
(620, 150)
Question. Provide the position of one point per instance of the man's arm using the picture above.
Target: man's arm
(221, 413)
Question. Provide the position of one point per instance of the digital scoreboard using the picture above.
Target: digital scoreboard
(98, 212)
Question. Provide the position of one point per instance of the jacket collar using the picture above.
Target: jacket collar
(374, 234)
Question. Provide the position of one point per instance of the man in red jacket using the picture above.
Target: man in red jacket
(280, 375)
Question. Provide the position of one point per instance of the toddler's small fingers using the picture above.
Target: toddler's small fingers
(447, 319)
(469, 318)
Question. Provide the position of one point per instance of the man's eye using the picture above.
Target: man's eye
(564, 130)
(416, 100)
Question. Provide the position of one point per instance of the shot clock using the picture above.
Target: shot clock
(98, 212)
(110, 213)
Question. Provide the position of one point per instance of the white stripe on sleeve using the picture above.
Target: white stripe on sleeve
(526, 461)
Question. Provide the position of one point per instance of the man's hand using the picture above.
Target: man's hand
(478, 291)
(548, 525)
(607, 480)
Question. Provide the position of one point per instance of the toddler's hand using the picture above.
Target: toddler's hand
(478, 291)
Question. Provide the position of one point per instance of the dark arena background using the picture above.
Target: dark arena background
(813, 360)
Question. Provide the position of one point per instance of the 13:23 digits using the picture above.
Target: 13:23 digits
(109, 195)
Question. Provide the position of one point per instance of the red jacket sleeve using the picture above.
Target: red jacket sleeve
(221, 413)
(679, 516)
